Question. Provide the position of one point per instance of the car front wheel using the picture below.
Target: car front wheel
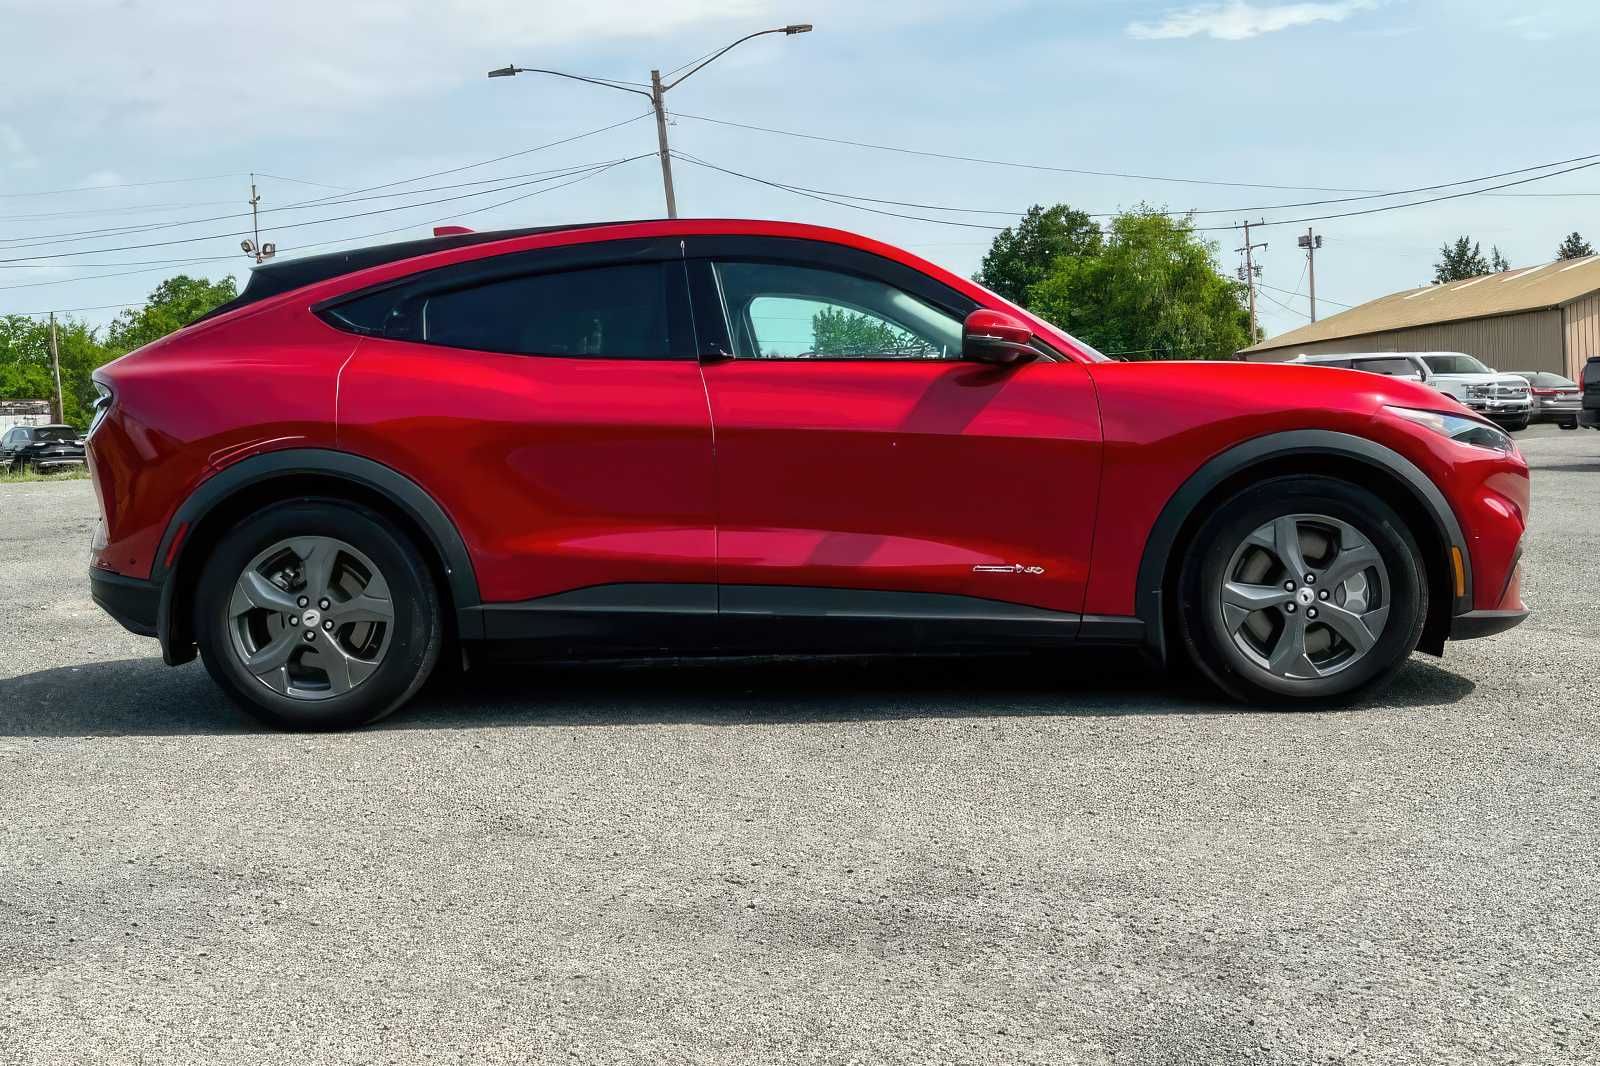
(1302, 588)
(317, 614)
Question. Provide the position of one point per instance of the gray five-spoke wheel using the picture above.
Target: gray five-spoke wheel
(310, 618)
(1305, 596)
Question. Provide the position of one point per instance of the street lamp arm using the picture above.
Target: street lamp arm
(800, 28)
(508, 71)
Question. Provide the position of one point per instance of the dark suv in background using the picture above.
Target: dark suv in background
(1590, 413)
(40, 448)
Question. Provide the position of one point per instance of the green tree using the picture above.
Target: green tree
(1020, 258)
(25, 363)
(25, 343)
(1574, 247)
(835, 331)
(1458, 261)
(1155, 290)
(1498, 264)
(174, 304)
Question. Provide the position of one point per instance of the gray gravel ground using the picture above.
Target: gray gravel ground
(975, 861)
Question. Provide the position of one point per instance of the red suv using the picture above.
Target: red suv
(693, 437)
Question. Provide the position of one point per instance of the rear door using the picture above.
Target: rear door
(553, 405)
(857, 453)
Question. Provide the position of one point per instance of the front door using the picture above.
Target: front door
(858, 454)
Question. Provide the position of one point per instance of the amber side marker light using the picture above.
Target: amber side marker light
(1460, 570)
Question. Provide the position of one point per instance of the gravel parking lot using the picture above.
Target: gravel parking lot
(946, 861)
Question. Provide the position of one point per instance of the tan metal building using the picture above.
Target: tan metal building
(1537, 318)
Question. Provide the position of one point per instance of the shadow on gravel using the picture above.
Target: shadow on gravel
(142, 697)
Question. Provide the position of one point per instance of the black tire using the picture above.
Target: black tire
(1517, 426)
(1205, 635)
(414, 644)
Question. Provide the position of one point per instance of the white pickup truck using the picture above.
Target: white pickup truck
(1502, 398)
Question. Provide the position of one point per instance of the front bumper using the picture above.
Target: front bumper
(1485, 623)
(1502, 410)
(134, 603)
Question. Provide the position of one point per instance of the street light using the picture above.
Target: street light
(657, 92)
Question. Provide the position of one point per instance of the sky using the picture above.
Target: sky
(123, 113)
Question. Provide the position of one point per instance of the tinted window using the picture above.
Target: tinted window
(1454, 364)
(366, 314)
(46, 433)
(1395, 368)
(602, 312)
(778, 311)
(1544, 380)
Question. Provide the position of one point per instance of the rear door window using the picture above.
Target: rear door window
(615, 312)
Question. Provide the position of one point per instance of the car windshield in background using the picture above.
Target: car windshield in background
(1541, 379)
(55, 433)
(1454, 364)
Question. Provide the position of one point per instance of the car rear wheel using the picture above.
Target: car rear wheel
(1302, 588)
(318, 615)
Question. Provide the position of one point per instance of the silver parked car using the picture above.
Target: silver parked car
(1502, 398)
(1555, 398)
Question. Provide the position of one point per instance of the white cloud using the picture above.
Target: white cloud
(168, 66)
(1239, 20)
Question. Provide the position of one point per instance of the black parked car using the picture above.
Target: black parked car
(42, 448)
(1590, 415)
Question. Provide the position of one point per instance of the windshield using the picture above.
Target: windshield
(51, 433)
(1454, 364)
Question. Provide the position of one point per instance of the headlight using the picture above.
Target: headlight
(102, 405)
(1457, 427)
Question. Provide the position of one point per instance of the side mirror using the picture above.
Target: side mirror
(996, 337)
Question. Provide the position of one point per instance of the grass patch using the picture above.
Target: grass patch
(71, 473)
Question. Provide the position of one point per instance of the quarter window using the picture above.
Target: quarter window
(779, 311)
(600, 312)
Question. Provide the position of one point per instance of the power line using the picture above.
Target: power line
(594, 173)
(291, 225)
(301, 181)
(1285, 306)
(1414, 203)
(72, 237)
(1016, 165)
(117, 185)
(71, 310)
(131, 209)
(840, 203)
(97, 277)
(1320, 299)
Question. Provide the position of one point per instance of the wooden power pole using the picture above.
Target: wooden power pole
(55, 369)
(1248, 274)
(1311, 242)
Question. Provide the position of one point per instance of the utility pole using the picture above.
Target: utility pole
(254, 248)
(656, 93)
(1311, 242)
(1248, 274)
(55, 369)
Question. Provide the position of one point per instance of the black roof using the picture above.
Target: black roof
(271, 279)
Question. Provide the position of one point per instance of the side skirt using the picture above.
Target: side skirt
(678, 620)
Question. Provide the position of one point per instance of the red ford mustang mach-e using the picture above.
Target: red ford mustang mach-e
(731, 436)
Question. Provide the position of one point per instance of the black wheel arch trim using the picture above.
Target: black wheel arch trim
(1149, 599)
(426, 512)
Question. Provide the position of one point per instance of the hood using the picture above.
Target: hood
(1492, 378)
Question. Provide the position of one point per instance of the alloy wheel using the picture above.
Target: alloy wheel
(1305, 596)
(310, 618)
